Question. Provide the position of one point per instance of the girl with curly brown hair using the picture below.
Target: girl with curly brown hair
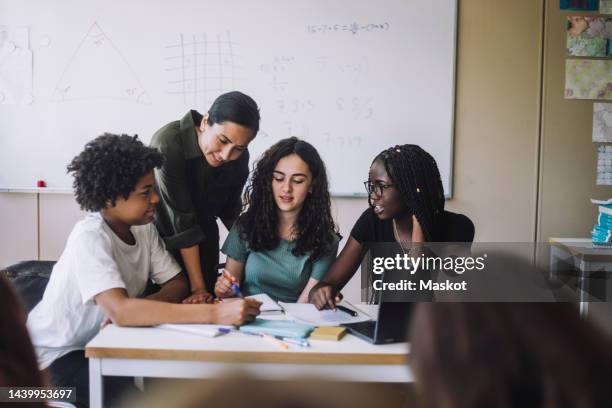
(286, 239)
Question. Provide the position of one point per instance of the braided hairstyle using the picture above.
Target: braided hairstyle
(315, 226)
(415, 174)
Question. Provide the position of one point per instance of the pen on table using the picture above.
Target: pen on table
(347, 310)
(294, 341)
(274, 340)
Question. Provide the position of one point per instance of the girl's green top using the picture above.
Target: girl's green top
(277, 272)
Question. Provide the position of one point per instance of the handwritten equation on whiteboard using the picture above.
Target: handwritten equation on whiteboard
(353, 28)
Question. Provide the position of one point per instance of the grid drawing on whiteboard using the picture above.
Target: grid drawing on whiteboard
(202, 67)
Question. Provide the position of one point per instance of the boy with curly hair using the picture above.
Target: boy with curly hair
(108, 260)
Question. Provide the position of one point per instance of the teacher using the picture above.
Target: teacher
(205, 169)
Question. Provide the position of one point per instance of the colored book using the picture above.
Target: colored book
(282, 328)
(605, 203)
(591, 5)
(604, 221)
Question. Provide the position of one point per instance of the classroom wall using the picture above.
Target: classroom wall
(497, 168)
(495, 40)
(496, 114)
(568, 156)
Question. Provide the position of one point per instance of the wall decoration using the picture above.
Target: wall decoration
(588, 36)
(605, 6)
(604, 165)
(588, 79)
(602, 122)
(578, 5)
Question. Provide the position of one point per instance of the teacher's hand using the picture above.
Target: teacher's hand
(199, 296)
(223, 286)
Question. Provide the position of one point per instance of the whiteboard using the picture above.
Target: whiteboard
(351, 77)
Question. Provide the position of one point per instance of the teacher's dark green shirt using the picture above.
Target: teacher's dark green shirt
(192, 193)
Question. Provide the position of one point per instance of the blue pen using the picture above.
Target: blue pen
(236, 290)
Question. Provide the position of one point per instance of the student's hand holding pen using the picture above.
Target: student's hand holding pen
(226, 284)
(324, 296)
(237, 311)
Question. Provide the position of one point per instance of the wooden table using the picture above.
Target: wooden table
(154, 352)
(583, 255)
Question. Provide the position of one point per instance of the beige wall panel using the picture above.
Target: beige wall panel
(497, 117)
(568, 155)
(58, 214)
(18, 228)
(346, 211)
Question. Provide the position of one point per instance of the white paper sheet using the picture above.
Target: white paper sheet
(308, 313)
(268, 306)
(15, 67)
(204, 330)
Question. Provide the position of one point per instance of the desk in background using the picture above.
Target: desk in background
(153, 352)
(585, 257)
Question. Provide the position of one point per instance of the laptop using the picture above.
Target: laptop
(391, 326)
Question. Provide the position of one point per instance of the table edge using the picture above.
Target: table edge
(587, 257)
(286, 357)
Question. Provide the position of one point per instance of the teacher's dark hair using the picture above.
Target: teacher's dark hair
(235, 107)
(315, 225)
(505, 355)
(109, 168)
(18, 365)
(415, 174)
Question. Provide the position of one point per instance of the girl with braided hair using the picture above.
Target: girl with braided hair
(285, 241)
(406, 201)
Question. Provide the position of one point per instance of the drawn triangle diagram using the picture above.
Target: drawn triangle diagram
(97, 70)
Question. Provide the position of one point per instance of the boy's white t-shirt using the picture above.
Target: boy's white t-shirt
(94, 260)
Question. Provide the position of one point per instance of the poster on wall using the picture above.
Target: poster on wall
(605, 6)
(579, 5)
(588, 36)
(16, 79)
(604, 165)
(602, 122)
(588, 79)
